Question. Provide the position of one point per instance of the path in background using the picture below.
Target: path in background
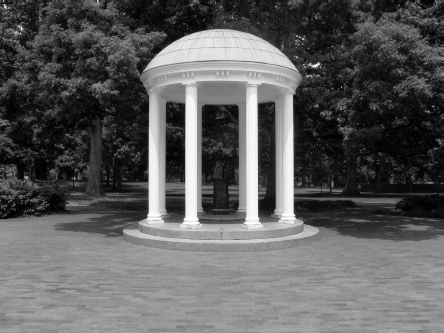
(73, 272)
(137, 192)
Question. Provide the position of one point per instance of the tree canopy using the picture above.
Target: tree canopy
(369, 106)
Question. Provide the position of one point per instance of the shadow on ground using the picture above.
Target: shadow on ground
(356, 222)
(96, 220)
(366, 224)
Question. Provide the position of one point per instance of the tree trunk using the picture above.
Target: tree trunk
(233, 174)
(107, 174)
(32, 171)
(41, 170)
(94, 186)
(303, 177)
(330, 183)
(20, 171)
(270, 194)
(351, 187)
(141, 174)
(117, 174)
(378, 178)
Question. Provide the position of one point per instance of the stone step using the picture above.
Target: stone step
(134, 236)
(223, 231)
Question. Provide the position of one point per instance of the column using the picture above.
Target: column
(242, 158)
(278, 140)
(287, 161)
(190, 221)
(252, 214)
(162, 148)
(199, 158)
(154, 216)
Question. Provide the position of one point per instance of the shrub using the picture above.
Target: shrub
(55, 195)
(8, 202)
(427, 202)
(24, 197)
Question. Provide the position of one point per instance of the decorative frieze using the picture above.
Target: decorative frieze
(162, 79)
(222, 74)
(188, 74)
(254, 75)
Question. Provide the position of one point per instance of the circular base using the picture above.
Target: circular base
(221, 231)
(220, 237)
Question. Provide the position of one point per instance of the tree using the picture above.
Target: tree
(89, 67)
(393, 98)
(72, 157)
(19, 144)
(313, 35)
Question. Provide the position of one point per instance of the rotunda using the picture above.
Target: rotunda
(217, 67)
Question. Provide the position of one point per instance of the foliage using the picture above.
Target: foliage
(18, 25)
(390, 100)
(72, 158)
(89, 67)
(20, 143)
(55, 196)
(371, 93)
(427, 202)
(24, 197)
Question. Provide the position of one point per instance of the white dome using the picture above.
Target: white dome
(220, 45)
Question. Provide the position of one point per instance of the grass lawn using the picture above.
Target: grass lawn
(134, 197)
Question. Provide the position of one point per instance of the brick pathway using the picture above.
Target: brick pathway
(367, 273)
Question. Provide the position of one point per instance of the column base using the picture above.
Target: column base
(252, 226)
(276, 214)
(290, 221)
(165, 215)
(153, 220)
(241, 210)
(190, 226)
(200, 210)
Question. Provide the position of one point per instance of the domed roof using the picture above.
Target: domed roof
(220, 45)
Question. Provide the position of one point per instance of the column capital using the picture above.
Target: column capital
(190, 84)
(252, 84)
(154, 91)
(289, 92)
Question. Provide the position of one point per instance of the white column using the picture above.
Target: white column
(154, 216)
(162, 150)
(278, 140)
(252, 215)
(199, 158)
(190, 221)
(287, 161)
(242, 158)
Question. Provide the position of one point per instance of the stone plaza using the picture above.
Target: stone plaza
(367, 273)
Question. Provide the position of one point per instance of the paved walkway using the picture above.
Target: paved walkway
(367, 273)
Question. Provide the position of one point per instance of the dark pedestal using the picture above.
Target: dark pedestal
(220, 197)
